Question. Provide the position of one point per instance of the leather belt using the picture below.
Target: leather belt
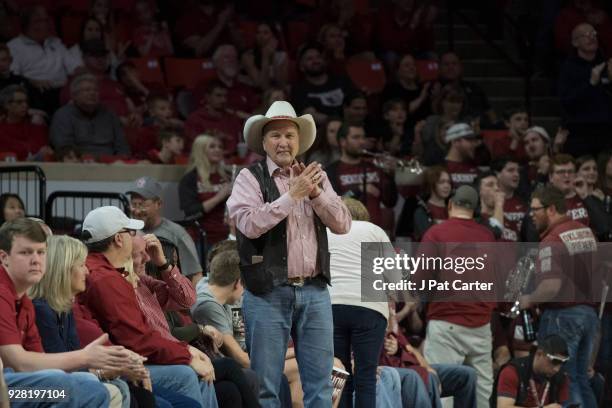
(298, 282)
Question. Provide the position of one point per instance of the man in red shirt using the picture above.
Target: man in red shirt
(460, 157)
(507, 171)
(214, 116)
(562, 174)
(108, 233)
(536, 380)
(517, 121)
(23, 246)
(459, 332)
(564, 266)
(347, 174)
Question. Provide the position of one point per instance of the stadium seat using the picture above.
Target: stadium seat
(149, 70)
(187, 73)
(368, 75)
(427, 70)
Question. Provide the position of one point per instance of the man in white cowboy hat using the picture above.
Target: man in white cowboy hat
(282, 209)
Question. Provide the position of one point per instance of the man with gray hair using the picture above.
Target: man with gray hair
(241, 98)
(584, 90)
(87, 124)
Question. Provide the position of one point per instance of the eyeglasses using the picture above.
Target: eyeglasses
(557, 360)
(589, 34)
(534, 209)
(19, 101)
(129, 231)
(566, 172)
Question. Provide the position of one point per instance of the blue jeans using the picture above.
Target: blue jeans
(183, 380)
(305, 313)
(81, 390)
(388, 388)
(361, 331)
(577, 325)
(414, 392)
(165, 398)
(457, 381)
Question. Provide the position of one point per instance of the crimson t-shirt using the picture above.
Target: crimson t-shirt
(349, 177)
(17, 317)
(212, 222)
(438, 214)
(461, 173)
(576, 210)
(469, 314)
(567, 251)
(514, 213)
(508, 386)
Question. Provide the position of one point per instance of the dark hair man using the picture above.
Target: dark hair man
(352, 174)
(563, 286)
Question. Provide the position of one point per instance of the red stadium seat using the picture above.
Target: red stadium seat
(70, 27)
(188, 73)
(427, 70)
(368, 75)
(149, 70)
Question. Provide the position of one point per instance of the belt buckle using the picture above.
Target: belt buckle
(297, 282)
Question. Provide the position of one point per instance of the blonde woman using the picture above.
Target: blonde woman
(53, 298)
(206, 186)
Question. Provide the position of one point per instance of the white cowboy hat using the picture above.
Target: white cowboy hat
(280, 110)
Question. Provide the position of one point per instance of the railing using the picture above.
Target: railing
(66, 210)
(29, 183)
(524, 45)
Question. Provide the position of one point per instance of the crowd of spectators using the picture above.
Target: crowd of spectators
(73, 89)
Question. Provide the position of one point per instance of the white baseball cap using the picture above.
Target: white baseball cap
(104, 222)
(458, 131)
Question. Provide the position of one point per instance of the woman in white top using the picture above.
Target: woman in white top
(359, 327)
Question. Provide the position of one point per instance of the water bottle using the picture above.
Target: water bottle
(529, 326)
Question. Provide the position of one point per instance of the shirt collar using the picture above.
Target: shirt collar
(554, 225)
(5, 280)
(274, 169)
(99, 259)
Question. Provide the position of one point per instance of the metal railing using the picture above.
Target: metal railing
(66, 210)
(29, 183)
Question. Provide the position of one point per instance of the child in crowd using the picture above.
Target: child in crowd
(171, 144)
(68, 154)
(160, 113)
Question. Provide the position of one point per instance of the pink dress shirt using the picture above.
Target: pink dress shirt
(254, 217)
(174, 292)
